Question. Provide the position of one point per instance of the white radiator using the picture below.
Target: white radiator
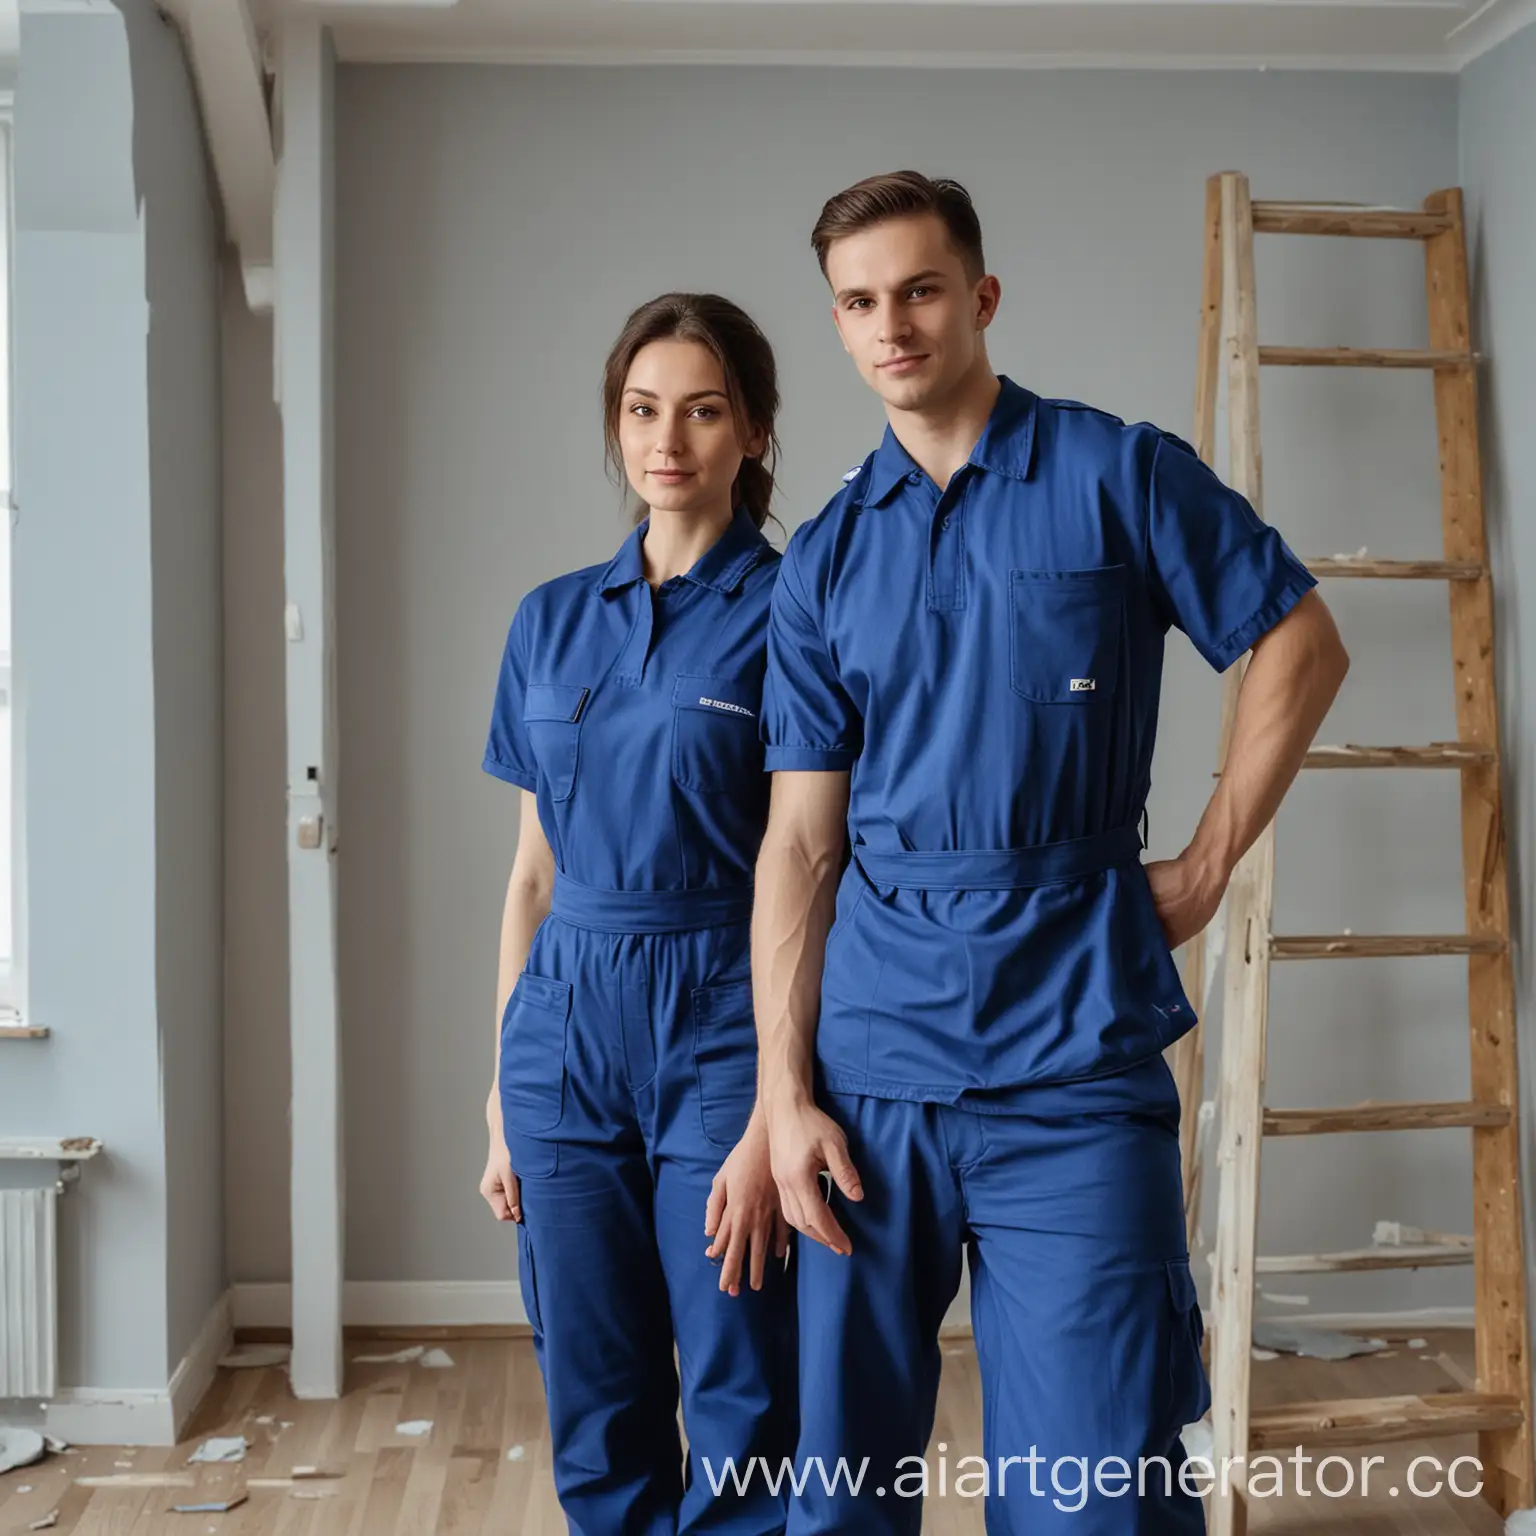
(28, 1292)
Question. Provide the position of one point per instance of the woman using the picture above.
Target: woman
(626, 711)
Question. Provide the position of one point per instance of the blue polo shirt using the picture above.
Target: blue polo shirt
(634, 716)
(986, 663)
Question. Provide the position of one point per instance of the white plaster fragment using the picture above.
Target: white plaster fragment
(400, 1357)
(437, 1360)
(414, 1427)
(221, 1448)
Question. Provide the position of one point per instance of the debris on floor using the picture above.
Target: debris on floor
(1264, 1354)
(20, 1448)
(139, 1480)
(1295, 1338)
(254, 1356)
(212, 1507)
(47, 1523)
(437, 1360)
(1418, 1343)
(1284, 1301)
(1199, 1440)
(414, 1427)
(55, 1445)
(221, 1448)
(400, 1356)
(517, 1453)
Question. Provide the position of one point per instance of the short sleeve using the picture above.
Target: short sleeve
(1217, 570)
(507, 753)
(808, 720)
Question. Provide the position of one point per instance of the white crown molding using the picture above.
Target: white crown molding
(1486, 28)
(361, 47)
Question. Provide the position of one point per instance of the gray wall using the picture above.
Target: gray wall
(495, 225)
(256, 1054)
(117, 637)
(1498, 172)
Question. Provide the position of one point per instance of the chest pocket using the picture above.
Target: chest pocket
(552, 718)
(715, 748)
(1064, 633)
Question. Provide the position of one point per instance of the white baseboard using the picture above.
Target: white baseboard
(192, 1378)
(111, 1416)
(127, 1416)
(1377, 1322)
(391, 1304)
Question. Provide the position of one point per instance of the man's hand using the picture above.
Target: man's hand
(802, 1142)
(1186, 894)
(742, 1218)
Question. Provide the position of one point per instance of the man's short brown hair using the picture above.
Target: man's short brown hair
(898, 195)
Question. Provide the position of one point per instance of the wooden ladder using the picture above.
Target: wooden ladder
(1499, 1410)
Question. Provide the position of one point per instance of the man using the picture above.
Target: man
(965, 657)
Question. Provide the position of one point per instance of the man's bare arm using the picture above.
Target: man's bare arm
(794, 899)
(1292, 679)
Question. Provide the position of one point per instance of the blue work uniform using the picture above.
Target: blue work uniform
(997, 988)
(628, 1052)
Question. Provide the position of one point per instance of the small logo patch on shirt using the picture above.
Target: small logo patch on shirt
(735, 709)
(1082, 685)
(852, 473)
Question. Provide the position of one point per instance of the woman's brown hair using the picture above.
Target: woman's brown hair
(746, 360)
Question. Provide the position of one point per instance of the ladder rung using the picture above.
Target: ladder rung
(1438, 754)
(1397, 1256)
(1272, 218)
(1376, 1420)
(1383, 1117)
(1363, 357)
(1398, 570)
(1352, 946)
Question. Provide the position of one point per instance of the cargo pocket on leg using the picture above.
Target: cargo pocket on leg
(1189, 1393)
(527, 1280)
(532, 1079)
(725, 1060)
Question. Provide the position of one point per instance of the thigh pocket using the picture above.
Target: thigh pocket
(715, 748)
(1065, 629)
(533, 1057)
(1189, 1393)
(552, 718)
(725, 1059)
(528, 1281)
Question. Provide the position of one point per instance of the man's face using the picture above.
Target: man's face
(906, 311)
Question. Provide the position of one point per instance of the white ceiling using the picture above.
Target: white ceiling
(1177, 34)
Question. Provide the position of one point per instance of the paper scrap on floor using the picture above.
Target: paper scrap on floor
(221, 1448)
(400, 1357)
(1294, 1338)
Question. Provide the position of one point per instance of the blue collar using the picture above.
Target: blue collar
(1005, 446)
(721, 567)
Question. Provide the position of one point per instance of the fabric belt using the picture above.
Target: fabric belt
(1001, 869)
(588, 906)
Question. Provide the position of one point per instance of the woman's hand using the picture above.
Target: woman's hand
(498, 1183)
(742, 1218)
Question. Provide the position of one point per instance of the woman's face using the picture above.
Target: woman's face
(677, 435)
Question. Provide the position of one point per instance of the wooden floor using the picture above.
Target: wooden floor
(459, 1481)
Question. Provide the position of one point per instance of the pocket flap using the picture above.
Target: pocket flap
(717, 695)
(1181, 1285)
(543, 992)
(727, 1000)
(554, 701)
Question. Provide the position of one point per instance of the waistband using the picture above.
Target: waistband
(588, 906)
(1001, 869)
